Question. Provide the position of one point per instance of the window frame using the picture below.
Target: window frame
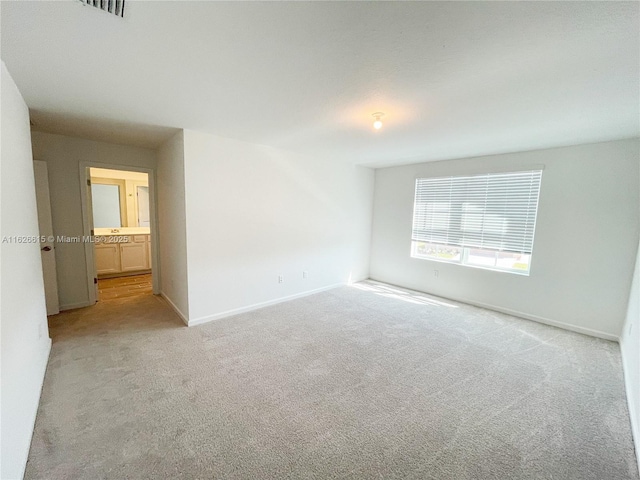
(464, 253)
(463, 258)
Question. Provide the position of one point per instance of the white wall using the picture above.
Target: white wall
(587, 230)
(255, 212)
(172, 224)
(63, 156)
(630, 348)
(25, 339)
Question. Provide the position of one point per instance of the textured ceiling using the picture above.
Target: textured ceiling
(454, 79)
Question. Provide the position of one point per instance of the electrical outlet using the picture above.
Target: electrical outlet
(435, 273)
(305, 274)
(280, 279)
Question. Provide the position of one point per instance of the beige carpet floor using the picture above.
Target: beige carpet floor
(358, 382)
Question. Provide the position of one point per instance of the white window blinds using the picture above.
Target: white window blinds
(494, 211)
(115, 7)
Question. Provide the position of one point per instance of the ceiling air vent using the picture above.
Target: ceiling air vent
(115, 7)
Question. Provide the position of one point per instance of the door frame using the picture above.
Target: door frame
(87, 223)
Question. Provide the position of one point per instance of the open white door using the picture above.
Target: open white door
(47, 246)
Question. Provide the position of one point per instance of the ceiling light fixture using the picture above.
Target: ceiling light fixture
(377, 124)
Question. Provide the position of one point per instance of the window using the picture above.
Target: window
(485, 221)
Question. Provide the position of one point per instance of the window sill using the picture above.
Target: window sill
(479, 267)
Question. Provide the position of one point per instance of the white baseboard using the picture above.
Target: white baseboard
(527, 316)
(256, 306)
(71, 306)
(43, 370)
(182, 316)
(634, 415)
(547, 321)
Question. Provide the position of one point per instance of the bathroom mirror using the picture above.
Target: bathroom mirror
(107, 212)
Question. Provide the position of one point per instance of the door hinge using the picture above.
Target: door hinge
(92, 232)
(88, 182)
(95, 280)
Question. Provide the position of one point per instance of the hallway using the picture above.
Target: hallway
(102, 374)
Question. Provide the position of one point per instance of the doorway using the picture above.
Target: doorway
(119, 215)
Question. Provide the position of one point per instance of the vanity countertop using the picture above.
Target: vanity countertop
(122, 231)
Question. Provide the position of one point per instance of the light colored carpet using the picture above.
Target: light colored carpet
(357, 382)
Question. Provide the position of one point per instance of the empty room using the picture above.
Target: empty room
(320, 240)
